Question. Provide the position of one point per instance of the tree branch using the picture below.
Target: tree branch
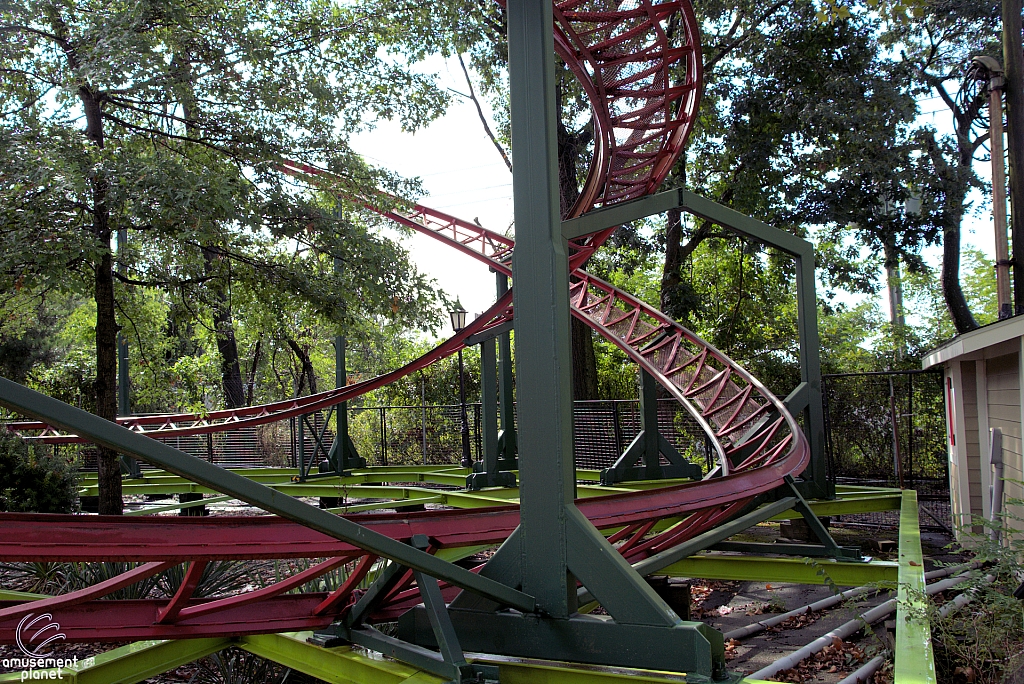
(480, 113)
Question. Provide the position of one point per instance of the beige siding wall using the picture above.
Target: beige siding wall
(1004, 412)
(971, 443)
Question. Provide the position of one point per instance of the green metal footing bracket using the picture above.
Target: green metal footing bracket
(688, 647)
(649, 446)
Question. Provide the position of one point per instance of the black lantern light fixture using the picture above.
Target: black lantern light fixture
(458, 315)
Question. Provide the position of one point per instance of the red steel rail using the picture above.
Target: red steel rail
(641, 68)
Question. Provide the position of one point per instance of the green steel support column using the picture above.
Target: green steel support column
(507, 445)
(810, 373)
(554, 543)
(489, 405)
(649, 424)
(540, 269)
(486, 473)
(343, 454)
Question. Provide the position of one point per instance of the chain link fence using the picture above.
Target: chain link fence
(888, 429)
(882, 429)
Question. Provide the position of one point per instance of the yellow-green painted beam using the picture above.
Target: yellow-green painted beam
(340, 665)
(915, 663)
(129, 664)
(848, 505)
(796, 570)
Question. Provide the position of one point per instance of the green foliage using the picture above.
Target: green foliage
(983, 641)
(219, 578)
(188, 109)
(33, 480)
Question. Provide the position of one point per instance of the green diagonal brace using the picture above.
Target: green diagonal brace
(803, 508)
(58, 414)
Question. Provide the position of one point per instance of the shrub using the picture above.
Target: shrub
(983, 642)
(33, 480)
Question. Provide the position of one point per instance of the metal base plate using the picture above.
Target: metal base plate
(690, 647)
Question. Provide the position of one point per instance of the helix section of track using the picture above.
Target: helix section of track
(640, 65)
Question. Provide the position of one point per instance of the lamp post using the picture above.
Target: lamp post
(458, 323)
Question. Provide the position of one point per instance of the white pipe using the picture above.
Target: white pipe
(743, 632)
(847, 629)
(963, 599)
(864, 673)
(996, 459)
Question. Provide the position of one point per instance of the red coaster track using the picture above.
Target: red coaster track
(640, 65)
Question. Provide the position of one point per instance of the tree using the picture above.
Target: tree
(97, 135)
(938, 44)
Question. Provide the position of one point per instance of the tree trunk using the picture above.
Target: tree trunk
(584, 360)
(1013, 65)
(251, 385)
(894, 283)
(108, 464)
(678, 298)
(952, 180)
(956, 302)
(307, 367)
(224, 331)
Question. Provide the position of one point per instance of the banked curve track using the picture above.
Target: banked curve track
(640, 65)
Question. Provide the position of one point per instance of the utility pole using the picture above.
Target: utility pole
(988, 70)
(1013, 59)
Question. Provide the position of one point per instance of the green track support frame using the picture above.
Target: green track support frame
(648, 446)
(806, 399)
(495, 468)
(343, 455)
(555, 544)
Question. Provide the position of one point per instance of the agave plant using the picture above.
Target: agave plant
(81, 575)
(36, 578)
(235, 666)
(219, 578)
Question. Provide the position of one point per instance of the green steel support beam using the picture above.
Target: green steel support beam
(556, 541)
(488, 473)
(848, 505)
(915, 662)
(131, 663)
(58, 414)
(343, 455)
(507, 444)
(668, 557)
(343, 665)
(124, 404)
(618, 214)
(796, 570)
(178, 506)
(540, 270)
